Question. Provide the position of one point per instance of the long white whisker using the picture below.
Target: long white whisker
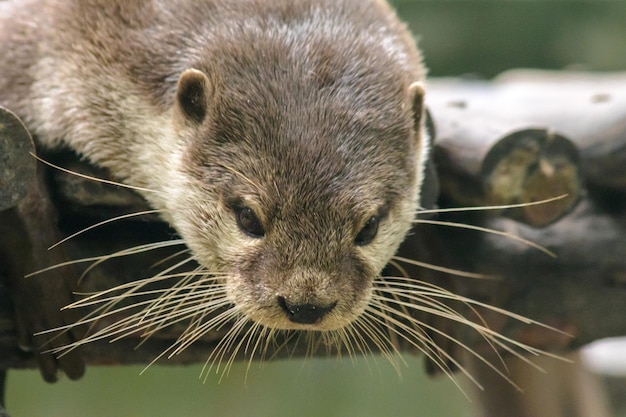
(443, 269)
(430, 349)
(485, 331)
(490, 231)
(98, 297)
(380, 340)
(99, 259)
(91, 178)
(495, 207)
(436, 291)
(102, 223)
(131, 251)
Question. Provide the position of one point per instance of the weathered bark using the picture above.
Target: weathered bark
(587, 108)
(486, 163)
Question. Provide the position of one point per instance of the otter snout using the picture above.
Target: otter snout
(304, 313)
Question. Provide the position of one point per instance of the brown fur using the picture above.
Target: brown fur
(306, 112)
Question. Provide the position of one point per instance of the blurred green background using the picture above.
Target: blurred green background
(296, 388)
(478, 38)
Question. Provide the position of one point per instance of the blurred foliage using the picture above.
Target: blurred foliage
(295, 388)
(484, 38)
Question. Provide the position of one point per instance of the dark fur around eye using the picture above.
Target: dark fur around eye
(248, 222)
(368, 232)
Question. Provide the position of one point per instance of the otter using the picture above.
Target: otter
(283, 140)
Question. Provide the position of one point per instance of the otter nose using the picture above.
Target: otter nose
(304, 313)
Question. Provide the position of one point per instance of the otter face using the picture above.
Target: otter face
(297, 208)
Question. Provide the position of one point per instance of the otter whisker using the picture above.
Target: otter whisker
(224, 345)
(131, 324)
(496, 338)
(169, 258)
(327, 339)
(260, 335)
(459, 318)
(356, 339)
(409, 285)
(92, 178)
(388, 322)
(193, 312)
(110, 305)
(439, 309)
(131, 251)
(427, 347)
(396, 264)
(228, 339)
(443, 269)
(285, 342)
(102, 223)
(490, 231)
(197, 328)
(423, 295)
(99, 315)
(244, 342)
(97, 297)
(102, 258)
(343, 338)
(195, 304)
(269, 340)
(182, 285)
(494, 207)
(415, 334)
(91, 319)
(367, 324)
(110, 302)
(185, 338)
(312, 343)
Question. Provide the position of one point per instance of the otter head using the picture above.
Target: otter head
(296, 194)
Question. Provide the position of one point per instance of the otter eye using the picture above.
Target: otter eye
(368, 232)
(248, 222)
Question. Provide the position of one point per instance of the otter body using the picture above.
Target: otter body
(283, 140)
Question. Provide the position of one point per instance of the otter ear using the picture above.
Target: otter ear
(192, 94)
(416, 97)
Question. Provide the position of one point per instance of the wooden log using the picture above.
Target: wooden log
(587, 108)
(486, 163)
